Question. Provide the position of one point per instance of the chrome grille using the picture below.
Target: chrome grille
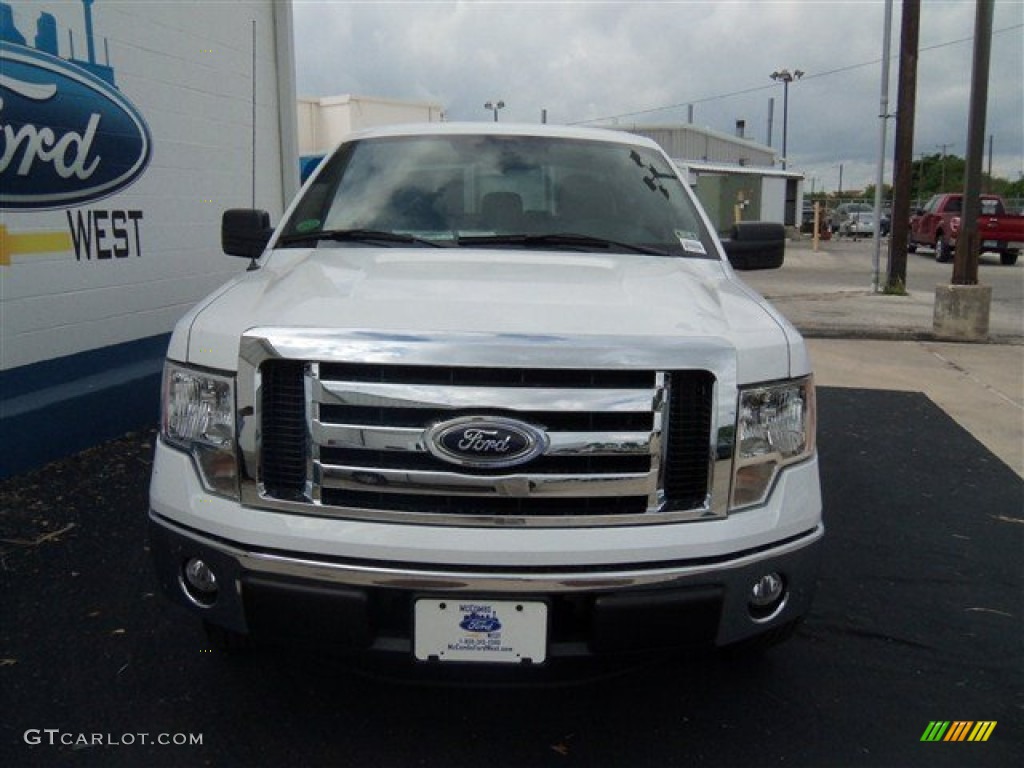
(622, 442)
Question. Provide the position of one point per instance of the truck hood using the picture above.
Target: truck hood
(492, 291)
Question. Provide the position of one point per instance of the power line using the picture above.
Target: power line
(756, 88)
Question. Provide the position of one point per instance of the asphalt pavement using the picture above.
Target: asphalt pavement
(917, 620)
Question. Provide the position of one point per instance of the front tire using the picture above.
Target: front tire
(1008, 258)
(941, 250)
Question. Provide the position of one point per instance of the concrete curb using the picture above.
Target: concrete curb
(899, 334)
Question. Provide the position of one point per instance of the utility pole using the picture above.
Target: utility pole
(963, 308)
(903, 160)
(883, 116)
(943, 148)
(988, 182)
(920, 177)
(965, 260)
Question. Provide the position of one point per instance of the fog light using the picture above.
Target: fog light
(768, 596)
(200, 582)
(766, 590)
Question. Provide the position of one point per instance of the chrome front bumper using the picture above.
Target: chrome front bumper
(378, 596)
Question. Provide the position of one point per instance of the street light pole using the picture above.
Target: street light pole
(494, 106)
(786, 77)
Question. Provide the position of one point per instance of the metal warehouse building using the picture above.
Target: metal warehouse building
(734, 177)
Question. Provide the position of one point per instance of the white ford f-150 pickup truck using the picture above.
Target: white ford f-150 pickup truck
(493, 394)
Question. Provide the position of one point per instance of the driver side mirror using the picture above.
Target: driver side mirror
(245, 232)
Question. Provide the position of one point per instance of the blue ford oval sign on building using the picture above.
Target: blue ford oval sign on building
(68, 136)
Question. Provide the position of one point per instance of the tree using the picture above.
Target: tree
(934, 174)
(869, 192)
(1012, 189)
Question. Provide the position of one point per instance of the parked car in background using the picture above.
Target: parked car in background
(938, 224)
(843, 212)
(807, 218)
(858, 224)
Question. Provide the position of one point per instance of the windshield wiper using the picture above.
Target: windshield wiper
(557, 239)
(357, 236)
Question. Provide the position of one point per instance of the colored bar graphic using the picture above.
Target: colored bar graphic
(958, 730)
(13, 243)
(982, 730)
(935, 731)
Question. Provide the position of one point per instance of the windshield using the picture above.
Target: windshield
(489, 190)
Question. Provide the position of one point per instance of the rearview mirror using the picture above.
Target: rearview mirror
(756, 245)
(245, 232)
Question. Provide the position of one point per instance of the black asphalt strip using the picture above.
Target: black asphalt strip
(917, 621)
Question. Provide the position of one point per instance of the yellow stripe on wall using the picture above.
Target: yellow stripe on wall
(21, 243)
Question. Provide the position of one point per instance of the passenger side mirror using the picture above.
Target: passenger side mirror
(756, 245)
(245, 232)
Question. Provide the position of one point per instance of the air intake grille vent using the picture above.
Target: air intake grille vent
(283, 412)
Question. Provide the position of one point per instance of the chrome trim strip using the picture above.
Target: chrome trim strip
(375, 395)
(492, 582)
(411, 439)
(454, 484)
(369, 438)
(491, 350)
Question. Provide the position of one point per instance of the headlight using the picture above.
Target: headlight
(199, 418)
(775, 427)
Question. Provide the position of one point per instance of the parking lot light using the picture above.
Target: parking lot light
(786, 77)
(494, 106)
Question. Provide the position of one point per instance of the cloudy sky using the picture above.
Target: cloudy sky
(591, 62)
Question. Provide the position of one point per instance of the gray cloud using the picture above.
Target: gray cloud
(588, 60)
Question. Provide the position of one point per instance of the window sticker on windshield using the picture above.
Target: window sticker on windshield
(309, 225)
(690, 243)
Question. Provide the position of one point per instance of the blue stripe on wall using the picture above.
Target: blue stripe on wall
(57, 407)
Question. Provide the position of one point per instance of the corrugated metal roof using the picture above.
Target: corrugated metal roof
(749, 170)
(694, 143)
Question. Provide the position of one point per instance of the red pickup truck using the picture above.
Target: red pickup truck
(938, 224)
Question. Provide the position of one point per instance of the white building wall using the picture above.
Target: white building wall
(113, 269)
(773, 199)
(324, 122)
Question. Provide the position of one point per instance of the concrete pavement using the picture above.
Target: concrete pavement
(861, 339)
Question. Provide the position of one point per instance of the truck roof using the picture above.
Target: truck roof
(505, 129)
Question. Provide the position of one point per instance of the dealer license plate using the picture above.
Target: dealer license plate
(494, 631)
(990, 244)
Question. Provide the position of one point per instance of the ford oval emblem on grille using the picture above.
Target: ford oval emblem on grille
(486, 441)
